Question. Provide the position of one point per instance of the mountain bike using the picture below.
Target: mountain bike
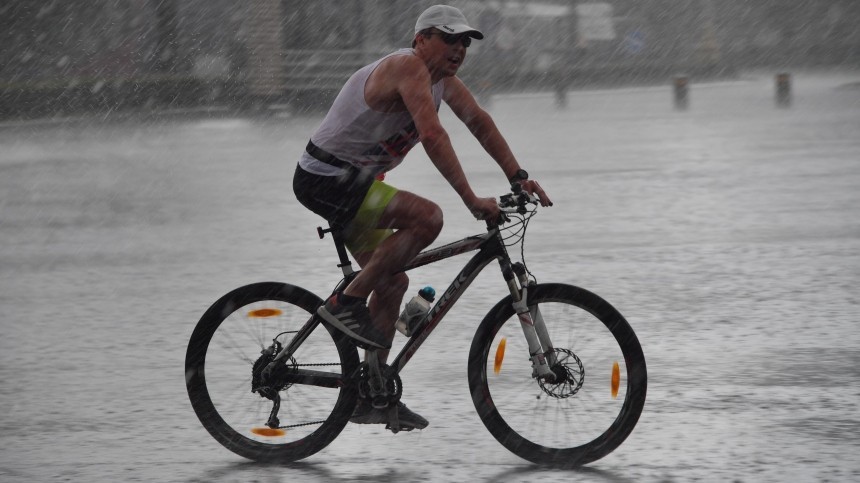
(556, 373)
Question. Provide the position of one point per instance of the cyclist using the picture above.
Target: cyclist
(382, 111)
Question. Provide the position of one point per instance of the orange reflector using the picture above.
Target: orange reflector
(500, 355)
(616, 379)
(261, 313)
(268, 432)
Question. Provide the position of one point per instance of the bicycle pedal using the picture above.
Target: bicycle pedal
(379, 403)
(397, 430)
(393, 424)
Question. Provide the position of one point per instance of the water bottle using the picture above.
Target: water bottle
(414, 311)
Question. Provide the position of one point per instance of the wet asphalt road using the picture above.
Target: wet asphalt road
(728, 235)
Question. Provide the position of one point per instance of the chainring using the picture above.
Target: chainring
(393, 386)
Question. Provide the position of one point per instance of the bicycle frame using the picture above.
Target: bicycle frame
(490, 247)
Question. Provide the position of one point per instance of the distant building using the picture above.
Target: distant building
(195, 51)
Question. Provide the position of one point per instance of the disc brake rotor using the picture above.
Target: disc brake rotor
(569, 375)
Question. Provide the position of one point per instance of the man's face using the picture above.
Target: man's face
(447, 52)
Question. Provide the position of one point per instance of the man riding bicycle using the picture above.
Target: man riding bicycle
(383, 110)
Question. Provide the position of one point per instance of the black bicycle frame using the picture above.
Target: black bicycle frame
(489, 245)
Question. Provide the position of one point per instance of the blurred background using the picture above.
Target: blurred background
(60, 57)
(146, 155)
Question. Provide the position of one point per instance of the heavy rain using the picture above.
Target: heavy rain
(703, 158)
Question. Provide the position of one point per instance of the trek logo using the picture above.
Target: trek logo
(446, 297)
(440, 307)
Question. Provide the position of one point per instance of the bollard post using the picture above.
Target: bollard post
(560, 97)
(682, 96)
(561, 79)
(783, 90)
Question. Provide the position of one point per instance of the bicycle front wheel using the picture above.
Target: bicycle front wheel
(599, 390)
(220, 372)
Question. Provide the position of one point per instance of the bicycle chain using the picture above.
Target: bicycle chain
(301, 424)
(311, 423)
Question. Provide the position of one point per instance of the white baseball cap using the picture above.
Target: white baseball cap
(447, 19)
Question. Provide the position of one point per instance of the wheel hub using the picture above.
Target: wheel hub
(569, 375)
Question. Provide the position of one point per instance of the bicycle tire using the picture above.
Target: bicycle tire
(587, 423)
(218, 372)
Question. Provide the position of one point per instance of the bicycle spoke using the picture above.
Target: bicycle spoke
(581, 414)
(312, 399)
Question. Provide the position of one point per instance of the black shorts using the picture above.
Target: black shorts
(335, 198)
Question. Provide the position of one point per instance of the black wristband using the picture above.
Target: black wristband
(519, 175)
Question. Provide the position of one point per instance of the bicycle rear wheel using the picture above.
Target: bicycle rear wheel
(221, 355)
(600, 388)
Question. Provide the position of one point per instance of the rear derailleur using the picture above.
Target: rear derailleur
(268, 378)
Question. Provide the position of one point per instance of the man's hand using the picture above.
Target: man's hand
(484, 208)
(532, 187)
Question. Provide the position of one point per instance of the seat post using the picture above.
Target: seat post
(337, 236)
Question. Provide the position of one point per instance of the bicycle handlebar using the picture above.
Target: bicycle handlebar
(514, 202)
(517, 199)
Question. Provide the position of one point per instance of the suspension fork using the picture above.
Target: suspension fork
(531, 321)
(542, 333)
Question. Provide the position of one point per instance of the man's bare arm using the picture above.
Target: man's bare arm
(413, 85)
(481, 125)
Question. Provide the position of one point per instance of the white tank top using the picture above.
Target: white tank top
(357, 134)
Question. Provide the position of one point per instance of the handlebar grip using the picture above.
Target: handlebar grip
(503, 218)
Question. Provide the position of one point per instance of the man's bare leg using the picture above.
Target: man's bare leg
(384, 303)
(418, 222)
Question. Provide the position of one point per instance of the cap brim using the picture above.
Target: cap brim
(461, 29)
